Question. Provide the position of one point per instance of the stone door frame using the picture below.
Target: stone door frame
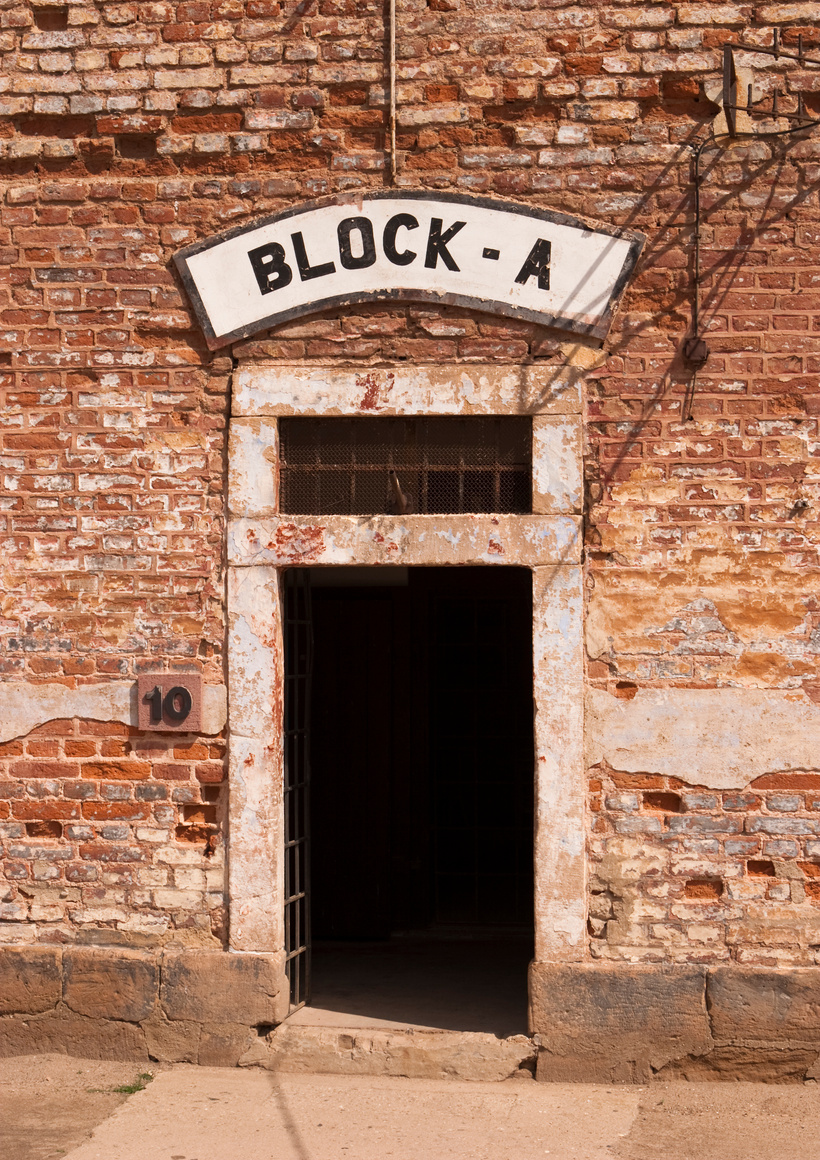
(262, 543)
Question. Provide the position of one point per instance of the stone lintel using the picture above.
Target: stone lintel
(303, 541)
(407, 389)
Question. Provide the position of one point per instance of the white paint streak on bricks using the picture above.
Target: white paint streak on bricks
(25, 704)
(720, 738)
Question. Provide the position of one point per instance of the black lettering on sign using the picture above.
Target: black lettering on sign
(537, 265)
(177, 703)
(269, 265)
(437, 244)
(306, 271)
(154, 699)
(365, 231)
(397, 222)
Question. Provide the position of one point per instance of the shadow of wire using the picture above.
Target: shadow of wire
(289, 1120)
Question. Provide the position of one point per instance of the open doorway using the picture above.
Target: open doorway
(419, 849)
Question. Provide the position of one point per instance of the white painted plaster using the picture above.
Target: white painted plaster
(252, 468)
(405, 540)
(255, 770)
(282, 389)
(720, 738)
(548, 542)
(560, 854)
(557, 482)
(26, 704)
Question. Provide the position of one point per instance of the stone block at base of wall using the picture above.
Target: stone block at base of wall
(593, 1023)
(628, 1023)
(112, 1003)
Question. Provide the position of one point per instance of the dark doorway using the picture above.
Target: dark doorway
(421, 744)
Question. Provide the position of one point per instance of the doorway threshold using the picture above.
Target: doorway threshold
(422, 981)
(424, 1006)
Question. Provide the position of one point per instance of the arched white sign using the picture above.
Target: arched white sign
(498, 256)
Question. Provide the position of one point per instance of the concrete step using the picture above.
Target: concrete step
(417, 1053)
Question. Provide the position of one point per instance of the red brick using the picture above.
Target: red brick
(117, 770)
(44, 769)
(45, 810)
(106, 811)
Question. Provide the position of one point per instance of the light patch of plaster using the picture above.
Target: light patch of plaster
(556, 464)
(255, 760)
(584, 355)
(24, 705)
(252, 468)
(280, 389)
(560, 861)
(720, 738)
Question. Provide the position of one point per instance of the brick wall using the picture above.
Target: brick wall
(131, 130)
(105, 827)
(693, 875)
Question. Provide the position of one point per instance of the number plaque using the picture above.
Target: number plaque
(169, 702)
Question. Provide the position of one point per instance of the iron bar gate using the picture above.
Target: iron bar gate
(298, 639)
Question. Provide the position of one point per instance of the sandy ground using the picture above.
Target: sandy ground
(51, 1103)
(50, 1106)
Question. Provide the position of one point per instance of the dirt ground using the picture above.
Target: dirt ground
(56, 1106)
(51, 1103)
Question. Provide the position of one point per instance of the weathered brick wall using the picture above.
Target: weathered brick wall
(131, 130)
(106, 827)
(693, 875)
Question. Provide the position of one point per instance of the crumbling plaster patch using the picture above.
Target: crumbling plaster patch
(26, 704)
(720, 738)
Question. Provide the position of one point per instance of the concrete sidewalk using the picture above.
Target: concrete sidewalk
(197, 1113)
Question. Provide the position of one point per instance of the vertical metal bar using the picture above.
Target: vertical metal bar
(729, 89)
(497, 468)
(393, 92)
(298, 671)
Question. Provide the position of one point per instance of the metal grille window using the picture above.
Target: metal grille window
(376, 466)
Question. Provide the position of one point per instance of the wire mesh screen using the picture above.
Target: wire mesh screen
(377, 466)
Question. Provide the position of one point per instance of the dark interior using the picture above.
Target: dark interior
(420, 736)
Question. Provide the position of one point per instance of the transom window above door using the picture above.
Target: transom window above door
(359, 466)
